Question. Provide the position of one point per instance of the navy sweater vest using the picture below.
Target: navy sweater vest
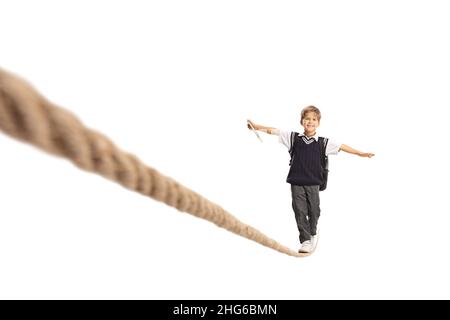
(306, 168)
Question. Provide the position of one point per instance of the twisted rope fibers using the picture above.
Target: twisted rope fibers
(28, 116)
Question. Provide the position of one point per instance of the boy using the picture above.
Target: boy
(306, 173)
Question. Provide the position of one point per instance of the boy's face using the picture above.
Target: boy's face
(310, 122)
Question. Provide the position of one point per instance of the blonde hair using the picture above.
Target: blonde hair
(311, 109)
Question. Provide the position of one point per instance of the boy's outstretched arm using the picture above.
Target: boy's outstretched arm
(269, 130)
(354, 151)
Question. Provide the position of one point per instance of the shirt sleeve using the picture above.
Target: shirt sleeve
(332, 147)
(284, 137)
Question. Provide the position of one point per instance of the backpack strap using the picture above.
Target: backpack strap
(323, 147)
(294, 136)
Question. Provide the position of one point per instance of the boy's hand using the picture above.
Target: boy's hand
(348, 149)
(250, 124)
(366, 154)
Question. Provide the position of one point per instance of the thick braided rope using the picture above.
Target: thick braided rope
(28, 116)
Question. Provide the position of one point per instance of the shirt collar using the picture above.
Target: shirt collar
(316, 136)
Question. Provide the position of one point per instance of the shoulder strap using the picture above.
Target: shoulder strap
(294, 136)
(324, 143)
(323, 147)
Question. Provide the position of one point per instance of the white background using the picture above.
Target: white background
(174, 82)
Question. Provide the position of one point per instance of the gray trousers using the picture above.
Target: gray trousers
(306, 205)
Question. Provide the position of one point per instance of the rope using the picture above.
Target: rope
(28, 116)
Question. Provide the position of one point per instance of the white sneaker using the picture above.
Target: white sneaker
(314, 241)
(307, 247)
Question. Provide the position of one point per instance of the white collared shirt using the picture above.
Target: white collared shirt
(285, 138)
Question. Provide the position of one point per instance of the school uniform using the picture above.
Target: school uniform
(305, 176)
